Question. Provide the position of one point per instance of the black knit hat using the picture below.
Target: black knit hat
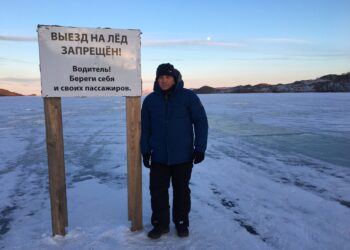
(167, 69)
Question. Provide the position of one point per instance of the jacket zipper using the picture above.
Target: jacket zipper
(166, 127)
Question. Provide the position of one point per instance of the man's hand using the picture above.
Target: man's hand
(147, 160)
(198, 157)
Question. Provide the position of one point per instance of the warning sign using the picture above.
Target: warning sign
(89, 61)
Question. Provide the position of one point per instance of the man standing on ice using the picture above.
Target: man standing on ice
(174, 132)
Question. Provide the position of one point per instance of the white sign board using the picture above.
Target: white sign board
(89, 62)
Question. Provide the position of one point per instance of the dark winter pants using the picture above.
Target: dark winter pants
(160, 177)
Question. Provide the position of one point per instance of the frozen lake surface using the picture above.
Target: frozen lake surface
(276, 175)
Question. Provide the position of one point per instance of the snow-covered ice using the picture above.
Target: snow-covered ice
(276, 175)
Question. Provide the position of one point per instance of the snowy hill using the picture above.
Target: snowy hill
(4, 92)
(328, 83)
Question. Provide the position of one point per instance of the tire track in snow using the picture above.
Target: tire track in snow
(30, 170)
(86, 159)
(238, 214)
(293, 170)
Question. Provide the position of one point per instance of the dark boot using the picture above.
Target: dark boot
(156, 232)
(182, 230)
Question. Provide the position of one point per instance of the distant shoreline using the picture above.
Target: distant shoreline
(5, 92)
(327, 83)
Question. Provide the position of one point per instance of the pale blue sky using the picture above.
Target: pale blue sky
(251, 41)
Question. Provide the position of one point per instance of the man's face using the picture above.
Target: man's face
(166, 82)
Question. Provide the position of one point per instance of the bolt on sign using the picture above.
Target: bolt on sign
(89, 61)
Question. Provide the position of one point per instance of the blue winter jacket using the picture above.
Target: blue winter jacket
(173, 126)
